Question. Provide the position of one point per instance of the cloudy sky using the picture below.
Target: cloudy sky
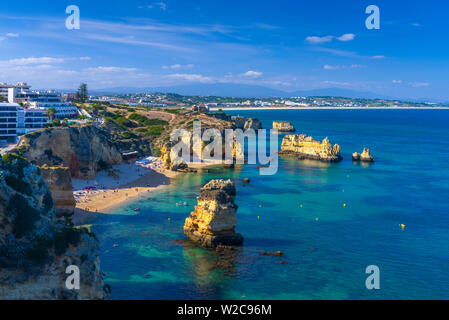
(287, 45)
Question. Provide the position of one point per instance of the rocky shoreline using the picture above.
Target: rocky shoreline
(305, 147)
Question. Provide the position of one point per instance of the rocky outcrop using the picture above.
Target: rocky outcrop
(283, 126)
(305, 147)
(364, 157)
(239, 121)
(213, 222)
(85, 150)
(253, 123)
(35, 246)
(59, 182)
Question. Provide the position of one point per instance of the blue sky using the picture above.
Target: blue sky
(287, 45)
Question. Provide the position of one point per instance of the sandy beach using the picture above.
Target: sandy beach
(132, 180)
(322, 108)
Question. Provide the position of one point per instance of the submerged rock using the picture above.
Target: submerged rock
(213, 221)
(283, 126)
(305, 147)
(364, 157)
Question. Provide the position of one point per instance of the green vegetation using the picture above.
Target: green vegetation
(39, 252)
(65, 237)
(81, 95)
(103, 165)
(15, 163)
(25, 215)
(19, 185)
(155, 130)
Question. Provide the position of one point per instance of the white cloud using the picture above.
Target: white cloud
(190, 77)
(315, 39)
(161, 5)
(346, 37)
(378, 57)
(179, 66)
(39, 60)
(416, 24)
(253, 74)
(396, 81)
(337, 83)
(337, 67)
(110, 69)
(12, 35)
(419, 84)
(31, 60)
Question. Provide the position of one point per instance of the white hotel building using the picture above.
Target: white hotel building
(31, 114)
(20, 93)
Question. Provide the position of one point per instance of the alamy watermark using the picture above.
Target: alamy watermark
(200, 146)
(373, 280)
(373, 20)
(73, 280)
(73, 20)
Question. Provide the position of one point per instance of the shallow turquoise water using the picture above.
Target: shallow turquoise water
(326, 258)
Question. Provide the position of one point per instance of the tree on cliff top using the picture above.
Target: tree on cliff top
(51, 113)
(81, 94)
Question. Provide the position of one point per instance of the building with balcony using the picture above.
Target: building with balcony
(8, 122)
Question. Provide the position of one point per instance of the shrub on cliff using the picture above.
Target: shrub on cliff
(25, 215)
(18, 184)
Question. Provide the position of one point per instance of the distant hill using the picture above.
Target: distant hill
(238, 90)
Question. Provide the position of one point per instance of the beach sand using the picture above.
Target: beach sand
(133, 181)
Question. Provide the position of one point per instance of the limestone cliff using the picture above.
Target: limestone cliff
(213, 222)
(283, 126)
(35, 247)
(364, 157)
(60, 184)
(305, 147)
(85, 150)
(253, 123)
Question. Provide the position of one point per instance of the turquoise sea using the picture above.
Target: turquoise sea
(301, 212)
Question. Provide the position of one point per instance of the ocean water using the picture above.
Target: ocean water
(300, 211)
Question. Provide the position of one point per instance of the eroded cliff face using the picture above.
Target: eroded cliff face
(283, 126)
(85, 150)
(213, 222)
(35, 247)
(305, 147)
(60, 184)
(365, 156)
(253, 123)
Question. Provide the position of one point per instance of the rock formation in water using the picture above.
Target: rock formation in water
(364, 157)
(213, 222)
(283, 126)
(59, 182)
(85, 150)
(253, 123)
(305, 147)
(239, 121)
(35, 246)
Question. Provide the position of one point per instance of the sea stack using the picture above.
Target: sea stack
(305, 147)
(253, 123)
(213, 221)
(364, 157)
(283, 126)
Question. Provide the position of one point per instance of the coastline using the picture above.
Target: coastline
(90, 204)
(325, 108)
